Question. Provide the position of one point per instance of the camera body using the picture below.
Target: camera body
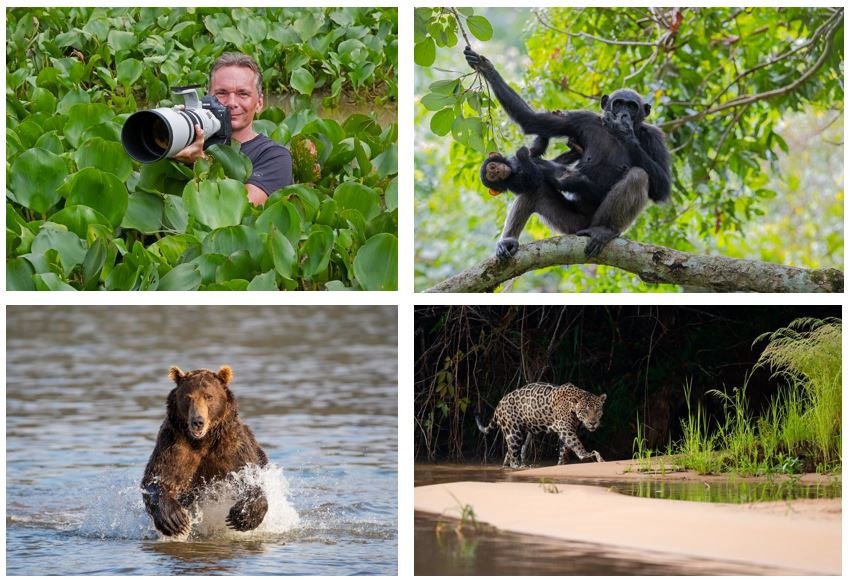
(156, 134)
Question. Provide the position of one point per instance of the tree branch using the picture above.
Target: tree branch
(653, 264)
(837, 21)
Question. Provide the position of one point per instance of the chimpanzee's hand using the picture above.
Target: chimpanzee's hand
(621, 128)
(477, 62)
(523, 154)
(506, 249)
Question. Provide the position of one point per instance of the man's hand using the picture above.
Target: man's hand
(256, 195)
(194, 151)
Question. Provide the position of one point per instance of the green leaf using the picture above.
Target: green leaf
(425, 52)
(317, 251)
(264, 282)
(236, 165)
(375, 263)
(19, 275)
(172, 248)
(128, 71)
(70, 248)
(216, 204)
(93, 263)
(35, 178)
(207, 265)
(42, 101)
(386, 162)
(391, 195)
(436, 102)
(98, 190)
(282, 252)
(237, 266)
(303, 81)
(50, 141)
(183, 277)
(480, 27)
(441, 122)
(232, 35)
(51, 281)
(283, 217)
(229, 286)
(232, 239)
(175, 215)
(144, 212)
(352, 195)
(120, 40)
(446, 87)
(78, 218)
(85, 115)
(108, 156)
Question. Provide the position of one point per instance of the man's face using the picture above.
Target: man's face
(234, 87)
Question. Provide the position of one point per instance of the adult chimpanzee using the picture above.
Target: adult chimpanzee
(623, 161)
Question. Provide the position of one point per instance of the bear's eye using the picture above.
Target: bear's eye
(209, 397)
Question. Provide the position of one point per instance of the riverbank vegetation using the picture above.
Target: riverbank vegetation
(798, 431)
(468, 357)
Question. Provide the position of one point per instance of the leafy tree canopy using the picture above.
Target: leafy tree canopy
(730, 87)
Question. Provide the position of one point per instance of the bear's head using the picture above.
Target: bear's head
(201, 401)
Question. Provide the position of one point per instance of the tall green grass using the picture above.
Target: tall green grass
(808, 355)
(801, 428)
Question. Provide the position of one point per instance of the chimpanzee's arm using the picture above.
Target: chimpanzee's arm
(648, 151)
(531, 122)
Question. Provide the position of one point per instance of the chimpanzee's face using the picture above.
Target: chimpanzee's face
(625, 107)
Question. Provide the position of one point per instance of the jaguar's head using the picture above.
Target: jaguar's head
(591, 410)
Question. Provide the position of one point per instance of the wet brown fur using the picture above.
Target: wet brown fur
(183, 461)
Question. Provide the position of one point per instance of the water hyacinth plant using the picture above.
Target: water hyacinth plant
(81, 215)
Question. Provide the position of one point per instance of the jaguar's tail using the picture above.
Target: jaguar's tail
(487, 428)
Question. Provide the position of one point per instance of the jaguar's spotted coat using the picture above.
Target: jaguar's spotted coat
(540, 407)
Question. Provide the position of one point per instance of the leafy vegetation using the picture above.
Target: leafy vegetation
(468, 357)
(81, 215)
(751, 100)
(801, 428)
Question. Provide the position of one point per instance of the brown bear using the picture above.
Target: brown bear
(201, 440)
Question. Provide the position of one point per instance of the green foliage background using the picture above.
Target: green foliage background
(81, 215)
(751, 101)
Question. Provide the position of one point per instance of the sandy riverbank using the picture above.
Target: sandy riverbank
(797, 537)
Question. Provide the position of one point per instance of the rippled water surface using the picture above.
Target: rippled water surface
(86, 392)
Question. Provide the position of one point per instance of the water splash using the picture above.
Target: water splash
(216, 500)
(118, 512)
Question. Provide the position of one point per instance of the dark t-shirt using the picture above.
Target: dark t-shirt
(272, 165)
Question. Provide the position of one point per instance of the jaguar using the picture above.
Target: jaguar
(541, 407)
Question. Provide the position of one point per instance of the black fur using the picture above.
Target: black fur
(607, 147)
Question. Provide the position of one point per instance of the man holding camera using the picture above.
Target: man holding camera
(235, 81)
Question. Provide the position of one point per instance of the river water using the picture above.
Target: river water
(85, 396)
(443, 547)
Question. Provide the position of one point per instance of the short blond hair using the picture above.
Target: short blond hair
(241, 60)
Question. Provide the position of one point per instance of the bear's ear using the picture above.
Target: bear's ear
(176, 374)
(225, 374)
